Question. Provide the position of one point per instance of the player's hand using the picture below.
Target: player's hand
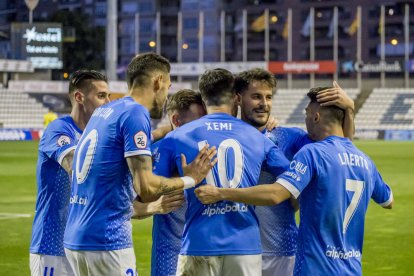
(201, 165)
(170, 202)
(208, 194)
(271, 123)
(335, 96)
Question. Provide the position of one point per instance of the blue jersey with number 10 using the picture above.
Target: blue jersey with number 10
(224, 228)
(102, 191)
(335, 182)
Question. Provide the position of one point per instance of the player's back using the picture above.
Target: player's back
(333, 207)
(102, 192)
(53, 187)
(224, 228)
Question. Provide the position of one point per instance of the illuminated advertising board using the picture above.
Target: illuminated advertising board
(40, 43)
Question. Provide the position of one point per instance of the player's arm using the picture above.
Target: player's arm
(150, 186)
(337, 96)
(67, 162)
(160, 132)
(268, 194)
(382, 193)
(163, 205)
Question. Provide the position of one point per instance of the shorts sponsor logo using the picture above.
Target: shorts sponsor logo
(222, 209)
(63, 140)
(140, 140)
(340, 253)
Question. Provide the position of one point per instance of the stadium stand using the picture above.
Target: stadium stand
(387, 108)
(19, 110)
(289, 106)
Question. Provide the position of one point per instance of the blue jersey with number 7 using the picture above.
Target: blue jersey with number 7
(224, 228)
(102, 190)
(335, 182)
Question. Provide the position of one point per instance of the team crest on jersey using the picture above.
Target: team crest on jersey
(63, 140)
(140, 140)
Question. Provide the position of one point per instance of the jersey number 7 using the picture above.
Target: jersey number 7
(357, 187)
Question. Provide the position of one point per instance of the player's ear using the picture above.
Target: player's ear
(238, 98)
(175, 120)
(316, 117)
(157, 82)
(78, 96)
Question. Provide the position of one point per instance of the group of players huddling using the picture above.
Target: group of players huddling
(100, 166)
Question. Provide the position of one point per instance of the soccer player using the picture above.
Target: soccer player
(169, 210)
(222, 239)
(88, 89)
(335, 182)
(255, 88)
(112, 159)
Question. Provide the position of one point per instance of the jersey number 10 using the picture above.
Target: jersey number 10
(223, 162)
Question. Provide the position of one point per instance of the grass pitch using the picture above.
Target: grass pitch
(389, 234)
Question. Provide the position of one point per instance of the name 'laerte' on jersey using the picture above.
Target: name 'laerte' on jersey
(278, 229)
(53, 187)
(335, 182)
(102, 189)
(224, 228)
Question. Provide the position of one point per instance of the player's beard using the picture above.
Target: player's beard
(257, 122)
(157, 111)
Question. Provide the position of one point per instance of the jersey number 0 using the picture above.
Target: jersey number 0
(222, 163)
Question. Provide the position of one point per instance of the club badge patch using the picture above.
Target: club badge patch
(140, 140)
(63, 140)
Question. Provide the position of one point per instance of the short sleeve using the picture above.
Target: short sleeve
(135, 128)
(58, 140)
(382, 193)
(299, 174)
(276, 162)
(164, 158)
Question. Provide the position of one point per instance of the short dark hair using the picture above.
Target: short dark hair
(81, 79)
(216, 86)
(143, 65)
(182, 100)
(334, 113)
(245, 78)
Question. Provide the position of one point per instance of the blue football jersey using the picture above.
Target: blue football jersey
(278, 229)
(224, 228)
(335, 182)
(167, 229)
(53, 187)
(102, 189)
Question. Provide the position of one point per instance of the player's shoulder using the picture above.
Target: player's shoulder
(289, 132)
(126, 105)
(61, 124)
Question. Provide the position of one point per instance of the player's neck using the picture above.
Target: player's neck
(324, 132)
(79, 117)
(219, 109)
(141, 97)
